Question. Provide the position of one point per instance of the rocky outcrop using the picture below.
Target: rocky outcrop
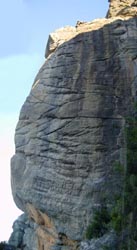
(71, 131)
(107, 241)
(24, 234)
(59, 37)
(122, 8)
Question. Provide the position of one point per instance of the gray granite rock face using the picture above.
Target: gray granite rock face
(23, 236)
(71, 129)
(107, 241)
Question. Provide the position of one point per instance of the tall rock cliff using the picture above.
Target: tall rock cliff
(71, 130)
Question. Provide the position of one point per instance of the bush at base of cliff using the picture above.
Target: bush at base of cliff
(6, 246)
(99, 225)
(2, 245)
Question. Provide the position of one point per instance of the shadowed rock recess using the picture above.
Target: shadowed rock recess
(71, 132)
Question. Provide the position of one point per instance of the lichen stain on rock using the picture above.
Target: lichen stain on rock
(46, 232)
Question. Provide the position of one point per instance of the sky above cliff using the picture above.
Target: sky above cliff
(24, 26)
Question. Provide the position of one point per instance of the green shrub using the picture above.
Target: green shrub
(118, 167)
(2, 245)
(123, 215)
(106, 248)
(116, 215)
(99, 224)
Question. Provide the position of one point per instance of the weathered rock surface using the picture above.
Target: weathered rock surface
(24, 234)
(122, 8)
(71, 129)
(107, 241)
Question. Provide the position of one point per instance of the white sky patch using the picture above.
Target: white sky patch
(17, 74)
(8, 210)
